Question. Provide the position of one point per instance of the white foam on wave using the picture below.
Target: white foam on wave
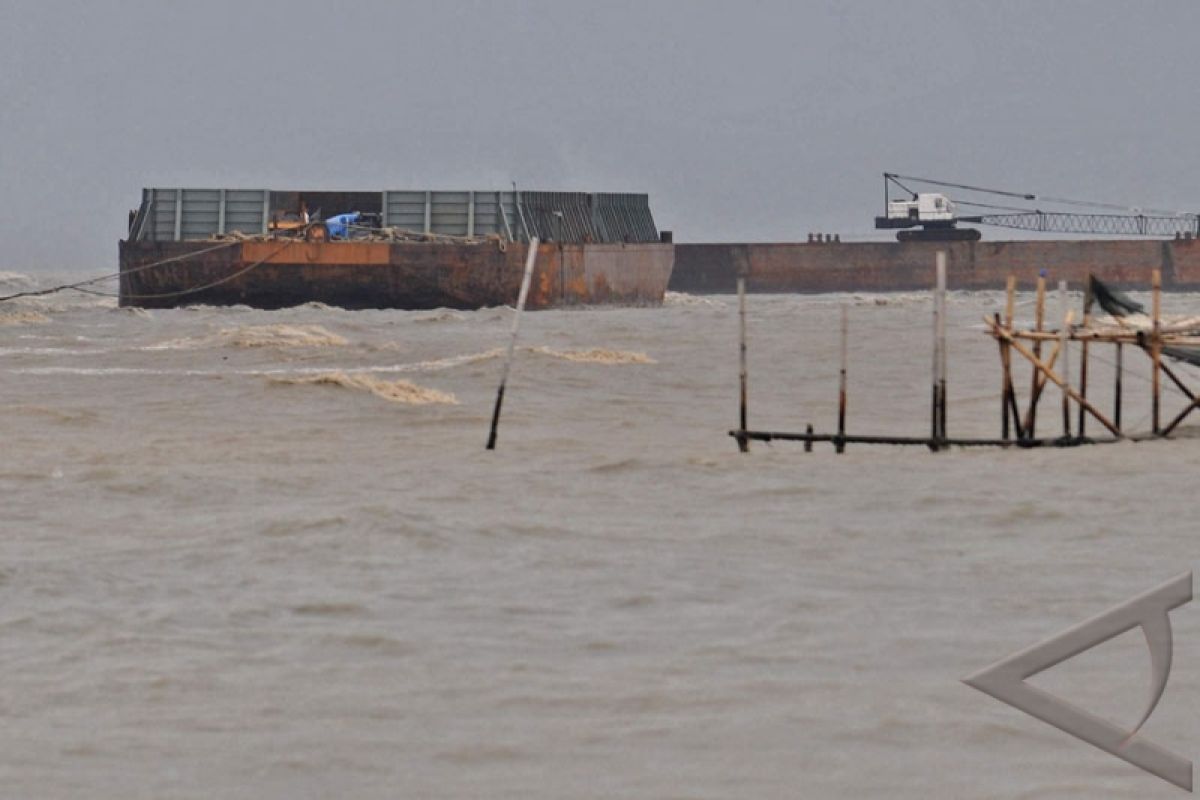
(397, 391)
(248, 336)
(683, 299)
(23, 316)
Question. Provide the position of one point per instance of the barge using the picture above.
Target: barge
(391, 249)
(825, 265)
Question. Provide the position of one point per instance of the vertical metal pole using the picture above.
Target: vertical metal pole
(266, 217)
(1156, 347)
(221, 212)
(428, 212)
(943, 394)
(743, 443)
(840, 445)
(522, 295)
(1064, 355)
(470, 213)
(934, 405)
(939, 353)
(179, 215)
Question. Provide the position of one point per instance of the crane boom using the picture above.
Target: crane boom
(1110, 224)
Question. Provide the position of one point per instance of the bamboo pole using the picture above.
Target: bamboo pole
(1007, 396)
(1054, 378)
(1156, 349)
(743, 442)
(840, 442)
(1170, 373)
(1119, 370)
(522, 296)
(1081, 425)
(1181, 416)
(1036, 391)
(1065, 352)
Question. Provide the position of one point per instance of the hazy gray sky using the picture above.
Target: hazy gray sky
(748, 120)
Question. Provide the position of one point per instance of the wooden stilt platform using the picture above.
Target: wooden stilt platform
(1151, 334)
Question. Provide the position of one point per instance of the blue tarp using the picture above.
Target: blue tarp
(337, 225)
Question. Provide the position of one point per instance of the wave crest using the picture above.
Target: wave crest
(397, 391)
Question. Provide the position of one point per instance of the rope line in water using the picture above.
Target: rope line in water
(77, 286)
(211, 284)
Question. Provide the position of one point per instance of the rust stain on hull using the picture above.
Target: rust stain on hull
(413, 275)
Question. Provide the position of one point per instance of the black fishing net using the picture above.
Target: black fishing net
(1119, 304)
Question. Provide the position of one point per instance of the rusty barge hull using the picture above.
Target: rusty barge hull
(815, 267)
(273, 273)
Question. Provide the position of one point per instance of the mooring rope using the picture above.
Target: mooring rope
(77, 286)
(226, 279)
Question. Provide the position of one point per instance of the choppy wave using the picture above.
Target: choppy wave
(23, 316)
(17, 280)
(397, 391)
(684, 299)
(259, 336)
(442, 315)
(597, 355)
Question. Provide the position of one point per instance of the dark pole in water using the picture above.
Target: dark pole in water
(512, 341)
(840, 442)
(743, 442)
(1156, 349)
(1083, 359)
(1037, 380)
(1008, 397)
(939, 355)
(1064, 334)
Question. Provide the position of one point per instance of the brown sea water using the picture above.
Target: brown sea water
(253, 554)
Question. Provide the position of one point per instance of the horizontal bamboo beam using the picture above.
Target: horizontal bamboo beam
(915, 441)
(1122, 337)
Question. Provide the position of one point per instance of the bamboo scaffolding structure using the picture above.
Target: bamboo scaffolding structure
(1147, 332)
(1053, 377)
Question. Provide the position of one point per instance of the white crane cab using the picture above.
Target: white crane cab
(927, 207)
(932, 213)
